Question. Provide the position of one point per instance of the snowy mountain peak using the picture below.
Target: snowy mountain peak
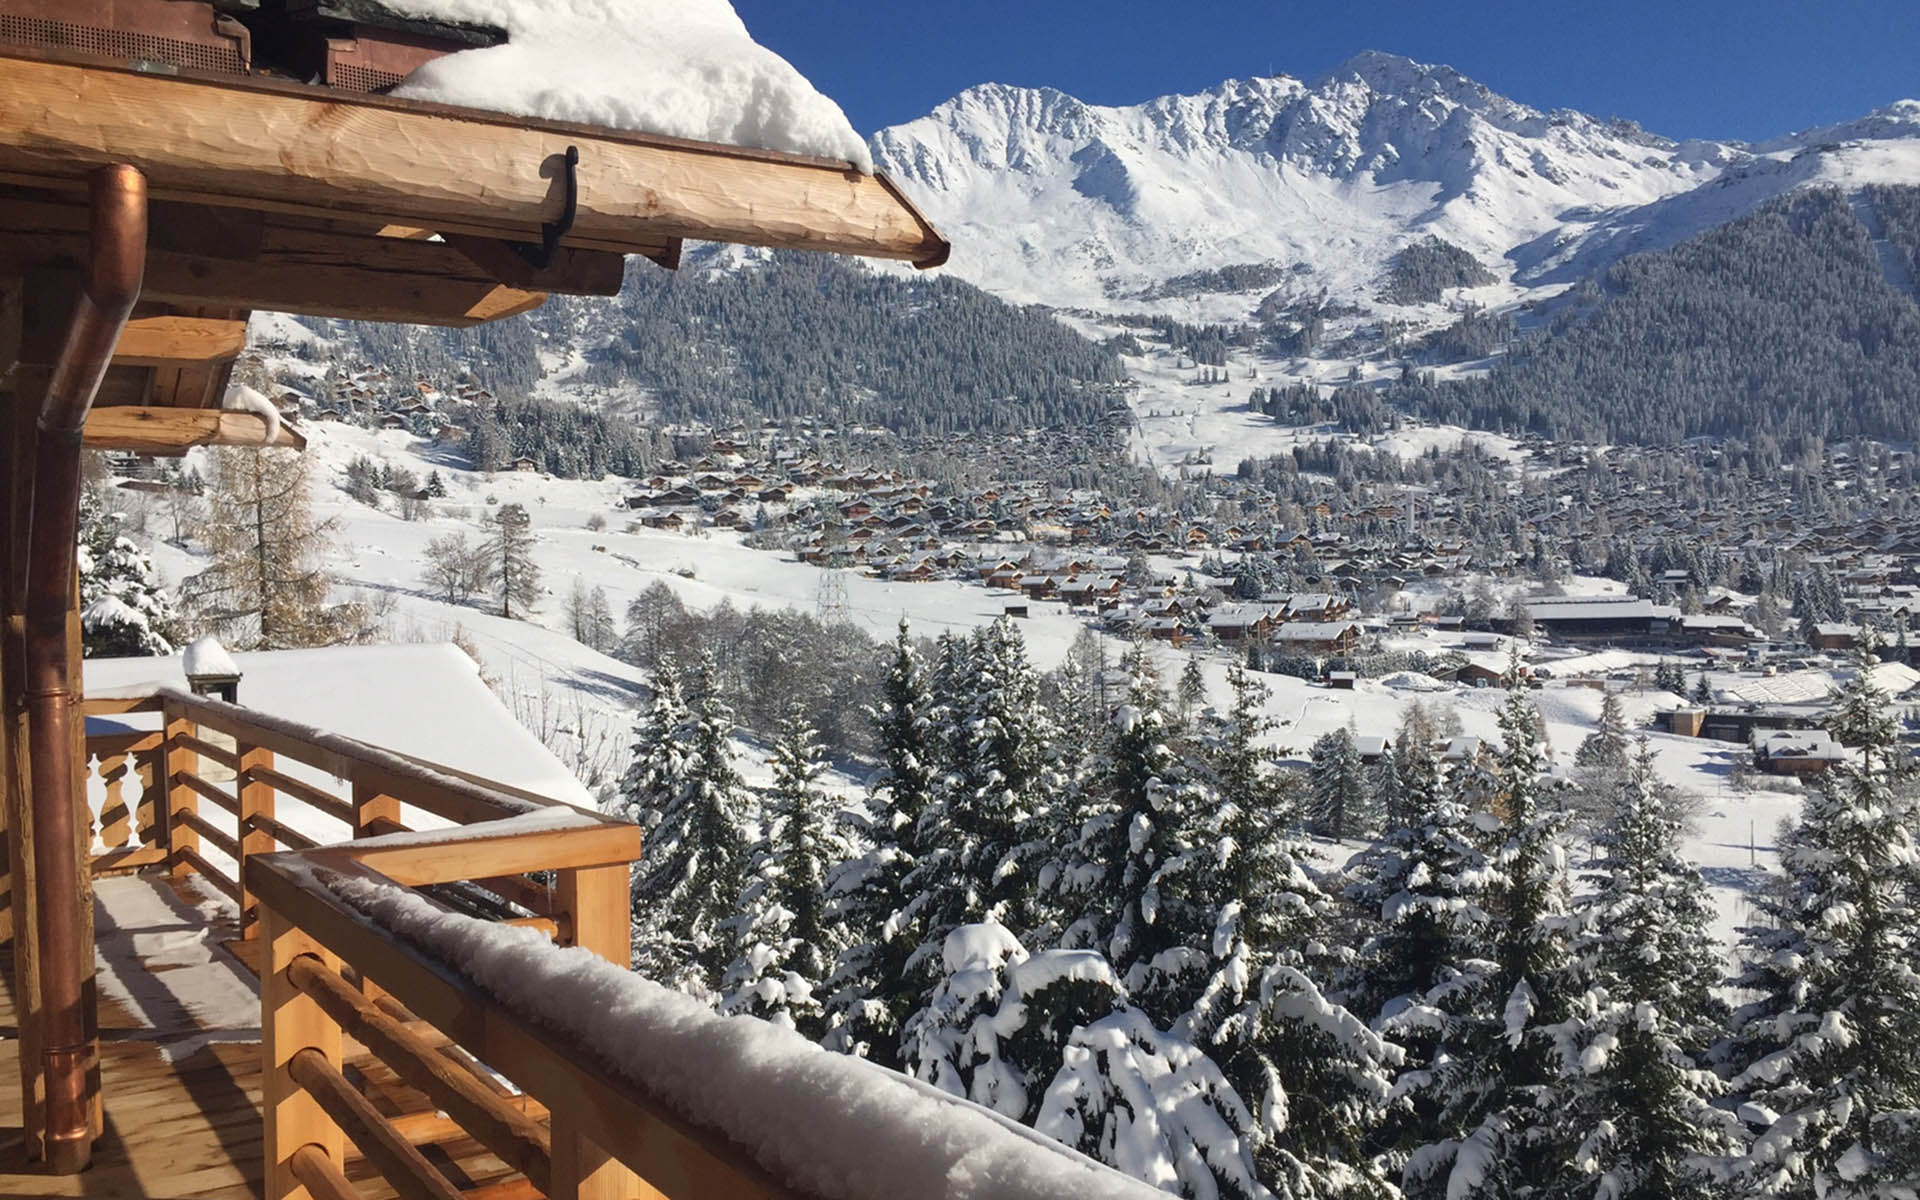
(1052, 199)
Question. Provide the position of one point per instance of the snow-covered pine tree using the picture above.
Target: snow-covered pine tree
(1154, 1106)
(124, 612)
(872, 990)
(1192, 690)
(1139, 879)
(1606, 748)
(992, 826)
(1338, 805)
(1423, 972)
(1828, 1055)
(785, 940)
(684, 789)
(1510, 1142)
(996, 1020)
(1313, 1076)
(1635, 1088)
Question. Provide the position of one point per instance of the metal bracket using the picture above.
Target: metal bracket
(541, 257)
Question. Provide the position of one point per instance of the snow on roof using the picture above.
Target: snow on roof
(1795, 687)
(424, 701)
(1893, 678)
(824, 1123)
(1313, 631)
(681, 68)
(1597, 608)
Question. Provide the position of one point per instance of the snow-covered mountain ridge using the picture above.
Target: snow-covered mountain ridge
(1049, 199)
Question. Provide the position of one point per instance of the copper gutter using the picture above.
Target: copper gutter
(118, 245)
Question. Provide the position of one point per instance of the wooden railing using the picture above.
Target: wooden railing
(519, 1079)
(219, 777)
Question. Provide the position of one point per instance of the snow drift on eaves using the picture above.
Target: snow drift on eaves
(680, 68)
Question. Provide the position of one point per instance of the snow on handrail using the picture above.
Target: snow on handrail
(826, 1124)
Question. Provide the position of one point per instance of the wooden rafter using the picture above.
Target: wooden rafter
(209, 258)
(171, 340)
(297, 149)
(164, 431)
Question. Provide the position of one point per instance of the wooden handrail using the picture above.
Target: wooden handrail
(206, 749)
(400, 1161)
(225, 843)
(510, 1134)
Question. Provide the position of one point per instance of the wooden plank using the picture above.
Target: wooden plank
(480, 852)
(206, 749)
(113, 706)
(130, 859)
(164, 341)
(290, 1022)
(223, 842)
(242, 143)
(208, 791)
(150, 429)
(190, 863)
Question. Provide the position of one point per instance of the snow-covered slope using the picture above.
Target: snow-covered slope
(1049, 199)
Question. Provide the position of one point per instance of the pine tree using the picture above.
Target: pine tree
(1636, 1090)
(1503, 1136)
(1606, 748)
(781, 926)
(991, 828)
(124, 612)
(1702, 690)
(1314, 1076)
(436, 487)
(1425, 969)
(873, 991)
(1138, 875)
(685, 790)
(1192, 692)
(266, 588)
(1338, 803)
(590, 617)
(516, 578)
(1828, 1055)
(997, 1019)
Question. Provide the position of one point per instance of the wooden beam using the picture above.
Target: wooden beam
(257, 144)
(170, 340)
(321, 272)
(147, 430)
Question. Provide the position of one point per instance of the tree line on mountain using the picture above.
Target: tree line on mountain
(800, 336)
(1105, 919)
(1784, 320)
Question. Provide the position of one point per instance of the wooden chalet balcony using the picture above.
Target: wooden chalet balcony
(370, 1066)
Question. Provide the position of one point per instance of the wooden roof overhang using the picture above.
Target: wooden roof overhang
(294, 198)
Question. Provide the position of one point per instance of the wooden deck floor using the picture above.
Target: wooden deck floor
(180, 1067)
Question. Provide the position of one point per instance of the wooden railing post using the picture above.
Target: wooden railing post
(181, 799)
(290, 1021)
(371, 806)
(598, 905)
(146, 815)
(256, 800)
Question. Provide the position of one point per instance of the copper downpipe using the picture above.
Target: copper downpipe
(118, 246)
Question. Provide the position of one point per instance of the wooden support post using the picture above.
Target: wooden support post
(290, 1022)
(182, 800)
(256, 817)
(598, 905)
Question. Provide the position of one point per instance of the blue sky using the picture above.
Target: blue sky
(1708, 68)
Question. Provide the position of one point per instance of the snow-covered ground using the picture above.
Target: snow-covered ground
(549, 677)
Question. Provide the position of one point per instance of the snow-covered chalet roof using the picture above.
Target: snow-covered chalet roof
(424, 701)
